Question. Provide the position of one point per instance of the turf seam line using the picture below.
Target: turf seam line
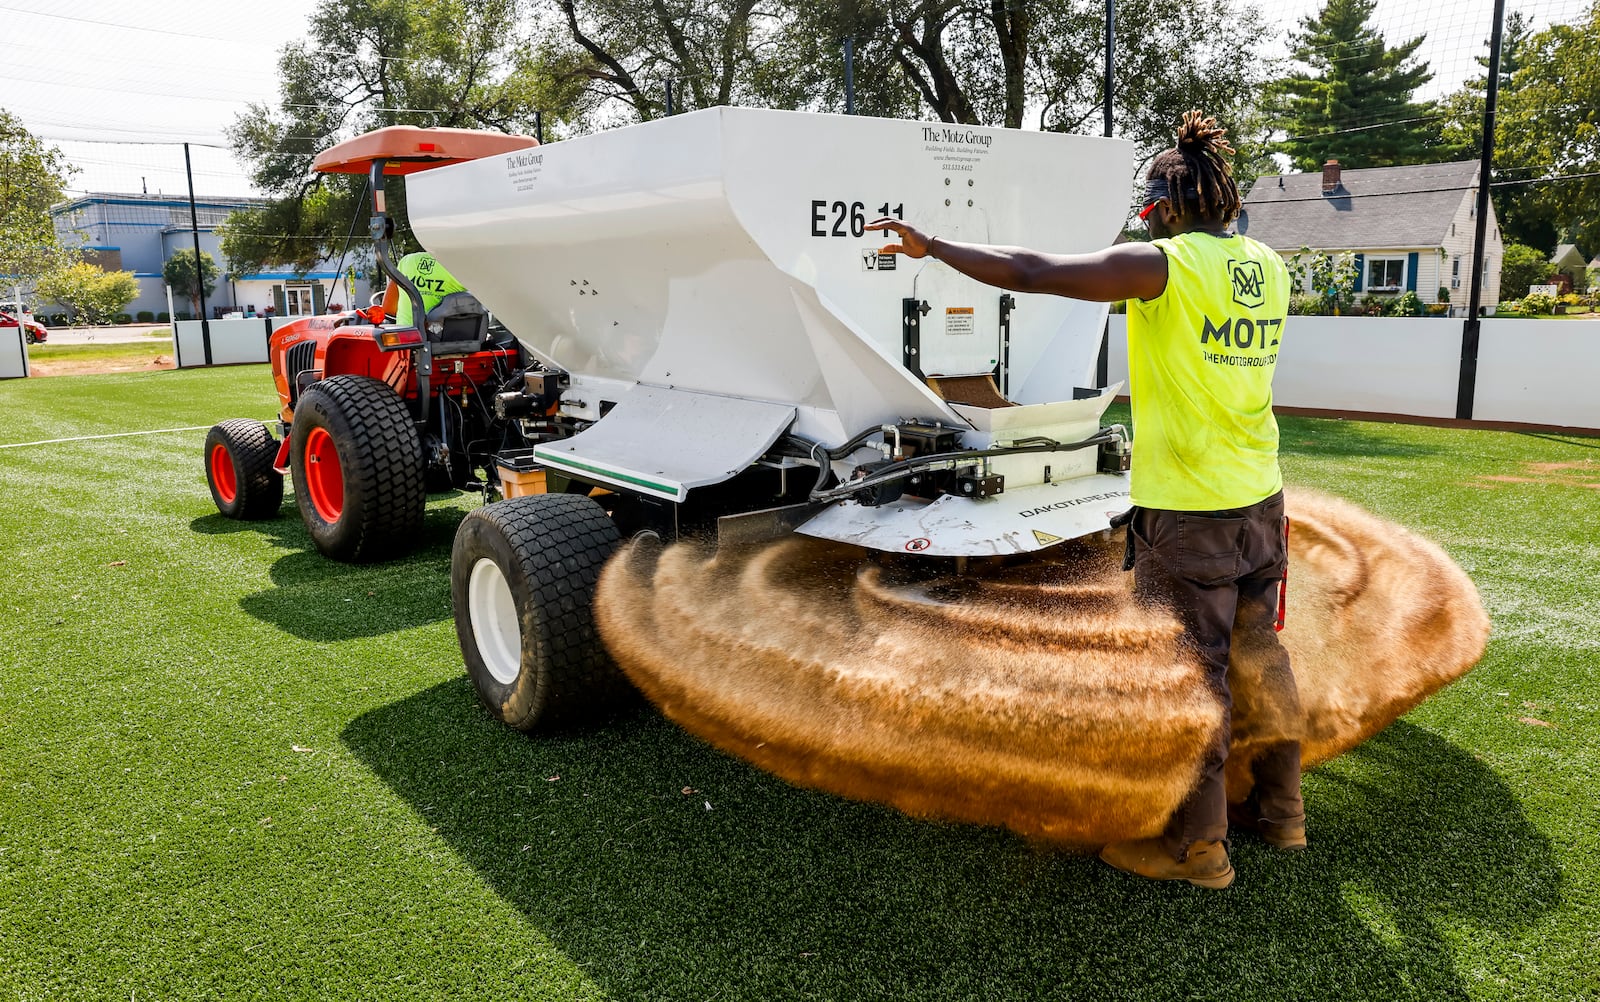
(90, 438)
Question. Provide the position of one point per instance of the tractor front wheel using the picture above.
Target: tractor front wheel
(522, 581)
(239, 455)
(357, 465)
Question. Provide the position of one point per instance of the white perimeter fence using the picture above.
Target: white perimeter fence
(1544, 372)
(232, 341)
(13, 353)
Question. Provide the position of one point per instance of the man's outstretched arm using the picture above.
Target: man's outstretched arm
(1125, 271)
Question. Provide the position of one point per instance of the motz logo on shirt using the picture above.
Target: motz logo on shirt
(425, 266)
(1249, 283)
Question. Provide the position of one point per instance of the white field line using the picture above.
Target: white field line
(91, 438)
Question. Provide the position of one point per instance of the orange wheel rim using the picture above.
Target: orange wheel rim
(222, 477)
(324, 477)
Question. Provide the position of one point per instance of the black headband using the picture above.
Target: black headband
(1157, 188)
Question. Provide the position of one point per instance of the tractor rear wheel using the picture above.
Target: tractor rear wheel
(357, 465)
(522, 583)
(239, 455)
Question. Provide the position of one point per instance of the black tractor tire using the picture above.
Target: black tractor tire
(522, 580)
(357, 466)
(238, 461)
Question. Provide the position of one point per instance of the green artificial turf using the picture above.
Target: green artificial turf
(231, 769)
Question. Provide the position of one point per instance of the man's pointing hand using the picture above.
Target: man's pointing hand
(912, 241)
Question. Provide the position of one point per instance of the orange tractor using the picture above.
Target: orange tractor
(373, 414)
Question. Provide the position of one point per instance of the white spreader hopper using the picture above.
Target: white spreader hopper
(706, 281)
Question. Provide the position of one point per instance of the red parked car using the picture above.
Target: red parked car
(32, 331)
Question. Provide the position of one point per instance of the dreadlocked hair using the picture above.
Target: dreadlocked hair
(1197, 172)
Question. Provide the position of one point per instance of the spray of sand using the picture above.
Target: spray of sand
(1040, 696)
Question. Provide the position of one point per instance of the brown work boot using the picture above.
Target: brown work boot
(1206, 865)
(1281, 834)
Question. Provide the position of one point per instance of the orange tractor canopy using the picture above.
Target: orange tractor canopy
(407, 149)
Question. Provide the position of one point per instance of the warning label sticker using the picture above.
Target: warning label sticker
(1045, 538)
(958, 320)
(874, 260)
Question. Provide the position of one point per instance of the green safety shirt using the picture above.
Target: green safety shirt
(1200, 362)
(430, 278)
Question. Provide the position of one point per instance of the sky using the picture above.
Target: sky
(118, 85)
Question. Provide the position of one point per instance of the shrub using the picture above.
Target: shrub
(1444, 294)
(58, 319)
(123, 318)
(1304, 305)
(1438, 309)
(163, 317)
(185, 315)
(1523, 266)
(1407, 304)
(1570, 299)
(1537, 303)
(88, 291)
(146, 317)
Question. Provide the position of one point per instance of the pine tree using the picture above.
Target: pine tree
(1354, 105)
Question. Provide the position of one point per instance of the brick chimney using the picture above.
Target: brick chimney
(1330, 177)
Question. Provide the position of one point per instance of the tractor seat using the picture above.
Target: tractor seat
(458, 325)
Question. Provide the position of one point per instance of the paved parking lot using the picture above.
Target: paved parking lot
(106, 335)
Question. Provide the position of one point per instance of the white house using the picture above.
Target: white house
(1568, 262)
(1409, 228)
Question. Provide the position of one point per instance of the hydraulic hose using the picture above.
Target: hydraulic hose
(948, 460)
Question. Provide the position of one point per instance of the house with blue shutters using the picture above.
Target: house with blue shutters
(1408, 228)
(140, 232)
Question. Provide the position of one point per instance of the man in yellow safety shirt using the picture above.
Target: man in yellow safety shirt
(430, 278)
(1207, 535)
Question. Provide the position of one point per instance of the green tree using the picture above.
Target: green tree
(179, 272)
(1521, 267)
(88, 292)
(1354, 101)
(33, 177)
(1461, 133)
(1547, 138)
(368, 64)
(980, 62)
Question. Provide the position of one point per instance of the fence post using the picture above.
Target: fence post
(172, 318)
(1102, 363)
(1467, 387)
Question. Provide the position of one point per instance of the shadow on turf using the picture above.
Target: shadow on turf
(1325, 437)
(775, 892)
(323, 600)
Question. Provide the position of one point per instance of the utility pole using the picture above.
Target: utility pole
(1102, 364)
(849, 74)
(1467, 388)
(199, 274)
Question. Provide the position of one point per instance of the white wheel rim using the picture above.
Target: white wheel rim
(495, 626)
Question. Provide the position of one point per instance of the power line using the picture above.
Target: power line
(116, 24)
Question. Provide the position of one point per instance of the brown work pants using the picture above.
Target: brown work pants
(1219, 571)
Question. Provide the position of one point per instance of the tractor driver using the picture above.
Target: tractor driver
(1207, 531)
(430, 278)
